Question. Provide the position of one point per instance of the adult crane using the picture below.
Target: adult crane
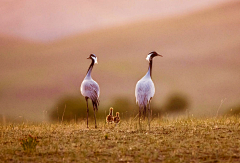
(145, 89)
(90, 88)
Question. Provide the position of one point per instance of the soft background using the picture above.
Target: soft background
(44, 46)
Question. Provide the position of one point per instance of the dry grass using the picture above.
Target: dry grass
(181, 140)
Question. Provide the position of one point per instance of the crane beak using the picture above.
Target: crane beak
(89, 58)
(160, 55)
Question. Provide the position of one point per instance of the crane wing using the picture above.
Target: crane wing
(91, 90)
(144, 91)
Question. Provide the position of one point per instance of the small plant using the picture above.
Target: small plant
(29, 144)
(106, 136)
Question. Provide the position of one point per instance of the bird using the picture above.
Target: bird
(109, 118)
(90, 88)
(145, 90)
(116, 119)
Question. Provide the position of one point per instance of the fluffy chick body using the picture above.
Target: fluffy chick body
(110, 118)
(116, 119)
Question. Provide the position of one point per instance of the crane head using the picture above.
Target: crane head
(117, 114)
(93, 57)
(151, 55)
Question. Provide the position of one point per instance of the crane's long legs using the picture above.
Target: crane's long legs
(149, 114)
(139, 116)
(86, 98)
(144, 112)
(95, 117)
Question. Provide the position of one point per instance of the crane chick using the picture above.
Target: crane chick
(116, 119)
(109, 118)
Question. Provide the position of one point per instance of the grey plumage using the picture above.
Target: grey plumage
(90, 88)
(145, 89)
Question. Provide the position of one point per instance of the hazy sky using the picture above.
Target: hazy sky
(49, 20)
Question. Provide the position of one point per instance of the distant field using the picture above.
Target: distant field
(180, 140)
(200, 59)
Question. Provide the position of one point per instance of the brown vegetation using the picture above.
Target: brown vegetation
(181, 140)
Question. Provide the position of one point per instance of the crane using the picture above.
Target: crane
(145, 89)
(90, 88)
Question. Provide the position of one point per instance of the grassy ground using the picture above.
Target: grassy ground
(179, 140)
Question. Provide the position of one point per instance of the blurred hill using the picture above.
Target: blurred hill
(200, 59)
(51, 20)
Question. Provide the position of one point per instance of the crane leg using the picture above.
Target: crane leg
(86, 98)
(144, 112)
(149, 114)
(95, 116)
(139, 116)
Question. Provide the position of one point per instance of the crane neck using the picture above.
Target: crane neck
(149, 73)
(90, 70)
